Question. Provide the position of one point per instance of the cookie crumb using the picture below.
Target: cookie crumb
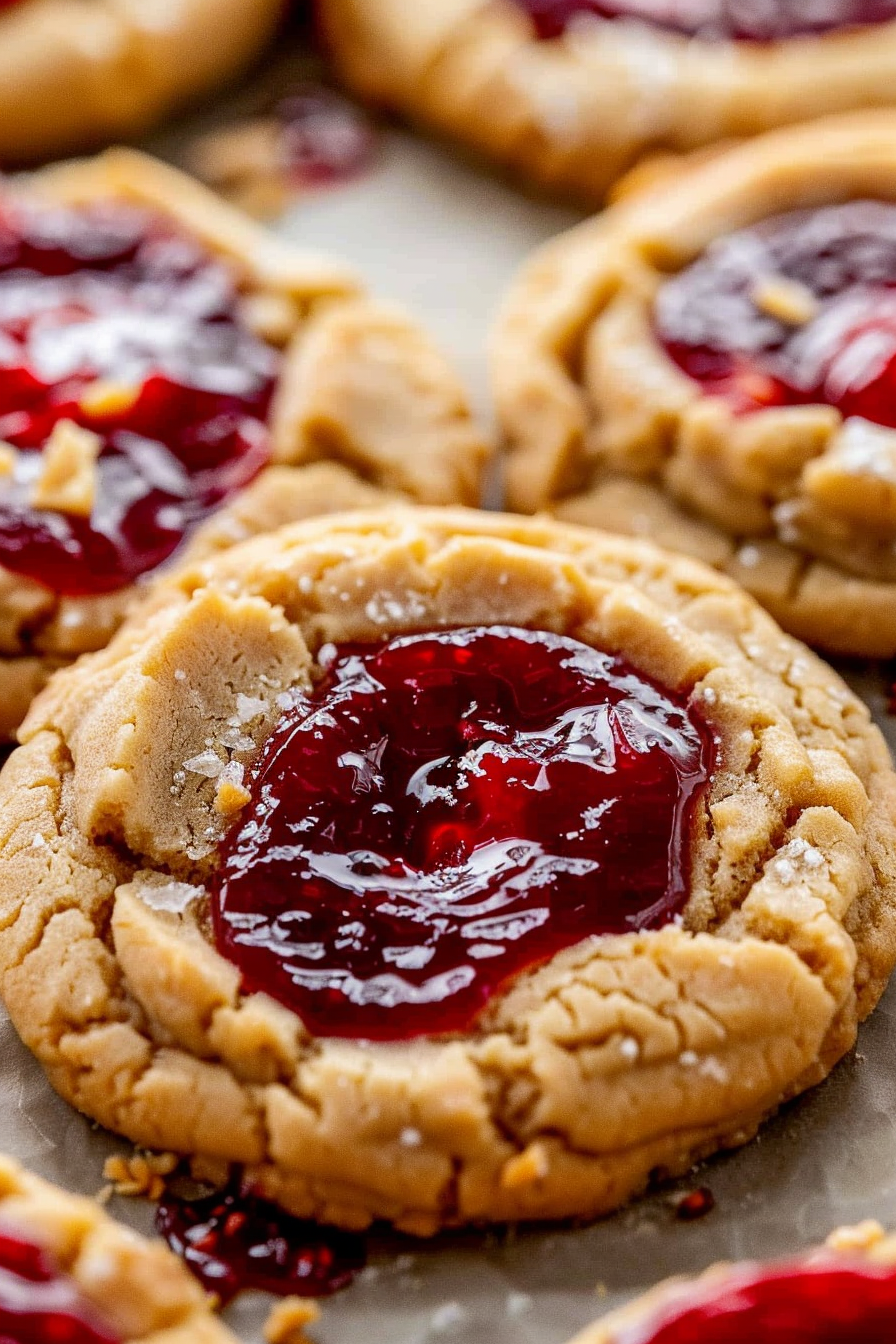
(862, 1237)
(272, 317)
(529, 1166)
(67, 480)
(786, 300)
(8, 458)
(287, 1320)
(105, 397)
(140, 1175)
(231, 795)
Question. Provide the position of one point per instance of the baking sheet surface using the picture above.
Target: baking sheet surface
(443, 239)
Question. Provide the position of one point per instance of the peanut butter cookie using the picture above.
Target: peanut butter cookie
(712, 364)
(445, 867)
(174, 378)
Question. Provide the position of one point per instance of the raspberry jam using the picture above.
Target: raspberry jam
(324, 139)
(820, 1302)
(39, 1304)
(717, 20)
(447, 810)
(234, 1241)
(111, 320)
(717, 324)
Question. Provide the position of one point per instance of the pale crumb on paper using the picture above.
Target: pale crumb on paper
(142, 1175)
(288, 1319)
(68, 475)
(859, 1238)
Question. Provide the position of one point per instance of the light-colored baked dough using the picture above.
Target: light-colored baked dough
(366, 407)
(603, 428)
(868, 1241)
(76, 74)
(141, 1289)
(576, 112)
(621, 1059)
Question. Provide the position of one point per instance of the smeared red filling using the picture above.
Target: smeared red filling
(712, 320)
(324, 138)
(112, 295)
(717, 20)
(234, 1241)
(37, 1303)
(447, 810)
(825, 1302)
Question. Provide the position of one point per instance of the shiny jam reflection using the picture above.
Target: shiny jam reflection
(38, 1305)
(717, 20)
(446, 810)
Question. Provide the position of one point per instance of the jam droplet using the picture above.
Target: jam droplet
(37, 1303)
(234, 1241)
(111, 320)
(822, 1302)
(324, 139)
(695, 1205)
(717, 20)
(447, 810)
(715, 324)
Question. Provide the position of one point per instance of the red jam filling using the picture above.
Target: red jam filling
(324, 139)
(235, 1241)
(447, 810)
(717, 20)
(715, 324)
(111, 297)
(37, 1303)
(822, 1302)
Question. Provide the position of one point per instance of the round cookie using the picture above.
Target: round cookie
(148, 773)
(844, 1291)
(99, 1282)
(77, 73)
(186, 338)
(685, 368)
(571, 99)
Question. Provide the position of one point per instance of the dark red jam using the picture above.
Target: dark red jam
(447, 810)
(324, 139)
(110, 297)
(38, 1305)
(714, 320)
(717, 20)
(234, 1241)
(828, 1301)
(696, 1204)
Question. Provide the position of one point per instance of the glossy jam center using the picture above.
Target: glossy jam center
(446, 810)
(825, 1302)
(234, 1241)
(837, 345)
(111, 320)
(717, 20)
(39, 1304)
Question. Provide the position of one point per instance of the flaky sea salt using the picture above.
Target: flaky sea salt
(206, 763)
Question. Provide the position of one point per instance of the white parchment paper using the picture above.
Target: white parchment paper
(444, 239)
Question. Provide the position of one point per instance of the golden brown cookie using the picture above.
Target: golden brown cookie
(579, 1044)
(98, 1282)
(843, 1291)
(183, 361)
(77, 73)
(577, 110)
(709, 364)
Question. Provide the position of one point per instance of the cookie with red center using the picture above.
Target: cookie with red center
(172, 379)
(843, 1292)
(69, 1273)
(445, 867)
(569, 94)
(74, 76)
(712, 364)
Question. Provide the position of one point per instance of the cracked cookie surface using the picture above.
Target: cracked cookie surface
(74, 76)
(621, 1058)
(685, 368)
(352, 404)
(575, 112)
(76, 1259)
